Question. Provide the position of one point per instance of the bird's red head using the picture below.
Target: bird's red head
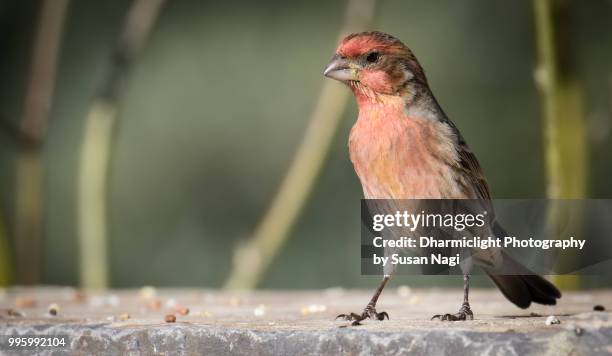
(376, 62)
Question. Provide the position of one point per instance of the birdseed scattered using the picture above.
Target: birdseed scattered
(313, 309)
(11, 312)
(552, 320)
(147, 292)
(182, 310)
(53, 309)
(260, 310)
(403, 291)
(25, 302)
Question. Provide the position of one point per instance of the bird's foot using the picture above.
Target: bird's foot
(368, 312)
(465, 313)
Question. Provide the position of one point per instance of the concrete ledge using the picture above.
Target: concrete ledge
(301, 323)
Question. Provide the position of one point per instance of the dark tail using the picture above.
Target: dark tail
(522, 290)
(523, 287)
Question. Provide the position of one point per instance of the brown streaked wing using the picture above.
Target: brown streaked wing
(471, 169)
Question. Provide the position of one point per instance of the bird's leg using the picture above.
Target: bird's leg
(465, 312)
(370, 309)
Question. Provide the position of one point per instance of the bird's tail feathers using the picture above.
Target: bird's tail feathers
(523, 286)
(526, 287)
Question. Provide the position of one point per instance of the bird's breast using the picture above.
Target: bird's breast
(401, 157)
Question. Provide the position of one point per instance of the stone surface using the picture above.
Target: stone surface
(302, 322)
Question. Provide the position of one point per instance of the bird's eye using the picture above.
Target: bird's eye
(372, 57)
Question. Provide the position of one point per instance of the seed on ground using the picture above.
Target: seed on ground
(53, 309)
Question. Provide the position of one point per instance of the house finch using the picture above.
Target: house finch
(403, 146)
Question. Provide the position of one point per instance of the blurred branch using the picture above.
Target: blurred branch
(32, 130)
(97, 143)
(5, 257)
(566, 151)
(252, 259)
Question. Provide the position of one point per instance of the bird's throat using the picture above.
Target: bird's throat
(366, 97)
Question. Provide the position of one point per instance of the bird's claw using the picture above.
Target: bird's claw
(368, 312)
(465, 313)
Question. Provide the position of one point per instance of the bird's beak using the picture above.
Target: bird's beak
(341, 69)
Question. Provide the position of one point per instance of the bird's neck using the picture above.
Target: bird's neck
(368, 98)
(414, 102)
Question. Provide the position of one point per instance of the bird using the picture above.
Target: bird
(404, 146)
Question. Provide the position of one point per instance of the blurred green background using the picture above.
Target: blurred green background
(217, 101)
